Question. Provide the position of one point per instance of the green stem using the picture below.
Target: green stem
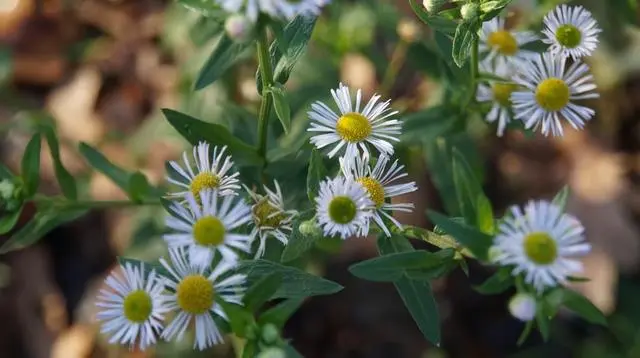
(88, 204)
(395, 64)
(266, 73)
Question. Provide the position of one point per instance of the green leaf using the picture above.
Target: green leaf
(298, 243)
(484, 215)
(497, 283)
(8, 221)
(195, 130)
(224, 55)
(477, 242)
(416, 295)
(525, 332)
(560, 200)
(392, 267)
(292, 352)
(250, 349)
(428, 124)
(468, 189)
(99, 162)
(65, 179)
(41, 224)
(138, 187)
(31, 165)
(583, 307)
(261, 291)
(281, 106)
(280, 313)
(543, 324)
(296, 35)
(491, 9)
(463, 41)
(295, 283)
(5, 173)
(317, 173)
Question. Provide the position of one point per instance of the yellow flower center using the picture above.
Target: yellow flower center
(266, 215)
(540, 248)
(504, 42)
(568, 36)
(209, 231)
(552, 94)
(137, 306)
(195, 294)
(342, 209)
(375, 190)
(502, 93)
(353, 127)
(204, 180)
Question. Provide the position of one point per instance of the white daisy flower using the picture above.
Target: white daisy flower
(523, 306)
(209, 228)
(354, 128)
(504, 46)
(541, 242)
(377, 181)
(281, 9)
(571, 31)
(548, 92)
(270, 217)
(196, 293)
(212, 172)
(132, 308)
(498, 93)
(343, 207)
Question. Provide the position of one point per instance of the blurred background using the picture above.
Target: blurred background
(102, 69)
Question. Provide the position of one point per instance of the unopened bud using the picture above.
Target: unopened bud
(270, 333)
(433, 6)
(310, 228)
(7, 187)
(523, 307)
(238, 27)
(469, 11)
(408, 30)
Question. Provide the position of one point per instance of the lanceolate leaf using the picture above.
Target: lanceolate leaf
(295, 283)
(31, 165)
(65, 179)
(261, 291)
(416, 295)
(99, 162)
(499, 282)
(463, 41)
(195, 130)
(393, 267)
(281, 106)
(280, 313)
(437, 23)
(9, 220)
(224, 55)
(560, 200)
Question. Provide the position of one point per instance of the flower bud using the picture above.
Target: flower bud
(273, 352)
(433, 6)
(10, 195)
(310, 228)
(270, 333)
(238, 27)
(408, 30)
(523, 307)
(469, 11)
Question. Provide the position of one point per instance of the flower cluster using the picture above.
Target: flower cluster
(212, 223)
(545, 87)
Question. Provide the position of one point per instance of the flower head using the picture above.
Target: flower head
(502, 45)
(212, 172)
(541, 242)
(210, 227)
(196, 293)
(499, 93)
(377, 182)
(343, 207)
(548, 92)
(279, 9)
(132, 308)
(354, 128)
(270, 217)
(571, 31)
(523, 307)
